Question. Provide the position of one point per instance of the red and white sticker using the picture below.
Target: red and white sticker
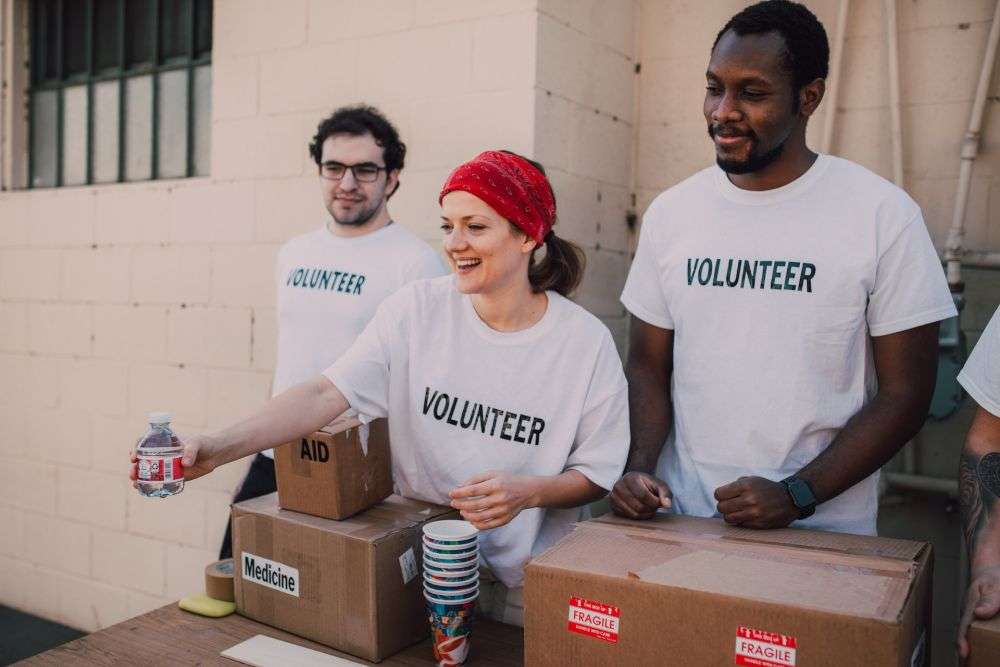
(759, 648)
(160, 468)
(594, 619)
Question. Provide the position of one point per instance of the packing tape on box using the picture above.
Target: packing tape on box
(219, 580)
(363, 432)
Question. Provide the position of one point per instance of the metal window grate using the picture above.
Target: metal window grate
(118, 90)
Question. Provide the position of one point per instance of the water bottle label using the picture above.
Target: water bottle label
(160, 468)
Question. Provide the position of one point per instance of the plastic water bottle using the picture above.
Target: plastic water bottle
(160, 473)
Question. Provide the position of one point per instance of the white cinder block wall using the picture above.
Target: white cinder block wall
(116, 300)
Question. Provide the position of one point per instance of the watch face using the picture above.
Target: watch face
(801, 495)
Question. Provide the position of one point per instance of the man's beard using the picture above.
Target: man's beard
(754, 162)
(356, 218)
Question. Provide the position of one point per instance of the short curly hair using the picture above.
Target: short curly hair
(807, 50)
(359, 120)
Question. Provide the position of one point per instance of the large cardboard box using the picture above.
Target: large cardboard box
(984, 641)
(354, 585)
(686, 591)
(337, 471)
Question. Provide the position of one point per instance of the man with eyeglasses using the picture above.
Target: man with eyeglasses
(331, 280)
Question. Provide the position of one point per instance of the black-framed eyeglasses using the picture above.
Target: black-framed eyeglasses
(365, 172)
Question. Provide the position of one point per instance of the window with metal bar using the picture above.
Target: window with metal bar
(121, 90)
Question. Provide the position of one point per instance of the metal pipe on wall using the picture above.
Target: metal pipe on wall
(892, 47)
(833, 80)
(970, 150)
(910, 482)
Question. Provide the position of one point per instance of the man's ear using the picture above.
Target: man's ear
(810, 96)
(392, 183)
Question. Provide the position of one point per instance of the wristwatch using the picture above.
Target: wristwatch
(802, 495)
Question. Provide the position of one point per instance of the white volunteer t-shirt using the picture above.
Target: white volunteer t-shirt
(329, 288)
(772, 297)
(981, 374)
(464, 399)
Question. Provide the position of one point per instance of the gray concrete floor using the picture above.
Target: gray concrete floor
(932, 519)
(23, 635)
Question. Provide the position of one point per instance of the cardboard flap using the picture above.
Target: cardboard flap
(392, 514)
(703, 555)
(861, 545)
(341, 424)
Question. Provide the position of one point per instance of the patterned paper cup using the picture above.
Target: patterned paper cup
(451, 626)
(451, 548)
(449, 575)
(433, 599)
(464, 590)
(450, 531)
(450, 556)
(463, 564)
(463, 596)
(446, 583)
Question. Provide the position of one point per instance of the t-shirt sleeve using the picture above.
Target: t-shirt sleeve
(362, 372)
(981, 374)
(602, 437)
(643, 293)
(910, 287)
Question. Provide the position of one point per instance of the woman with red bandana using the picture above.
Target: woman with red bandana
(505, 399)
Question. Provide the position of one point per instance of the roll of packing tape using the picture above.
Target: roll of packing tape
(219, 580)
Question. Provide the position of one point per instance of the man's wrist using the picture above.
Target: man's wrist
(801, 495)
(641, 464)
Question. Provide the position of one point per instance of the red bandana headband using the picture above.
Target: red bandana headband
(512, 186)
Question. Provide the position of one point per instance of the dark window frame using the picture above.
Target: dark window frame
(124, 71)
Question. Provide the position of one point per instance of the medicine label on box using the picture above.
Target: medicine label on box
(594, 619)
(757, 648)
(270, 573)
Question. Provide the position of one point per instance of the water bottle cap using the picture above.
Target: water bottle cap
(160, 417)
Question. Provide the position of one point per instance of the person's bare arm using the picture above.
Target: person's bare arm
(979, 493)
(906, 366)
(638, 494)
(298, 411)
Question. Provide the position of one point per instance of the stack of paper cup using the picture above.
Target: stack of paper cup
(451, 586)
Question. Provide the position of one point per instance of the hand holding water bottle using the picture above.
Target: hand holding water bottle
(162, 461)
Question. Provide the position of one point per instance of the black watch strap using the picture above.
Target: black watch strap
(802, 495)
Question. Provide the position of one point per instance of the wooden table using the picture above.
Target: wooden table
(170, 636)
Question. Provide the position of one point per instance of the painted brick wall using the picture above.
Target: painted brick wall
(584, 132)
(118, 300)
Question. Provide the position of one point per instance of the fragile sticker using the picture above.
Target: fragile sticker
(759, 648)
(594, 619)
(408, 565)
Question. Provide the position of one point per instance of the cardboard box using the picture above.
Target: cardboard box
(984, 640)
(336, 472)
(354, 585)
(686, 591)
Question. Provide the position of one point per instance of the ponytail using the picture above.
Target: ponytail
(560, 270)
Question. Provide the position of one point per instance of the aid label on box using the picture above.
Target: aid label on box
(594, 619)
(758, 648)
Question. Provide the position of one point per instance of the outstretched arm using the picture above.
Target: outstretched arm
(291, 414)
